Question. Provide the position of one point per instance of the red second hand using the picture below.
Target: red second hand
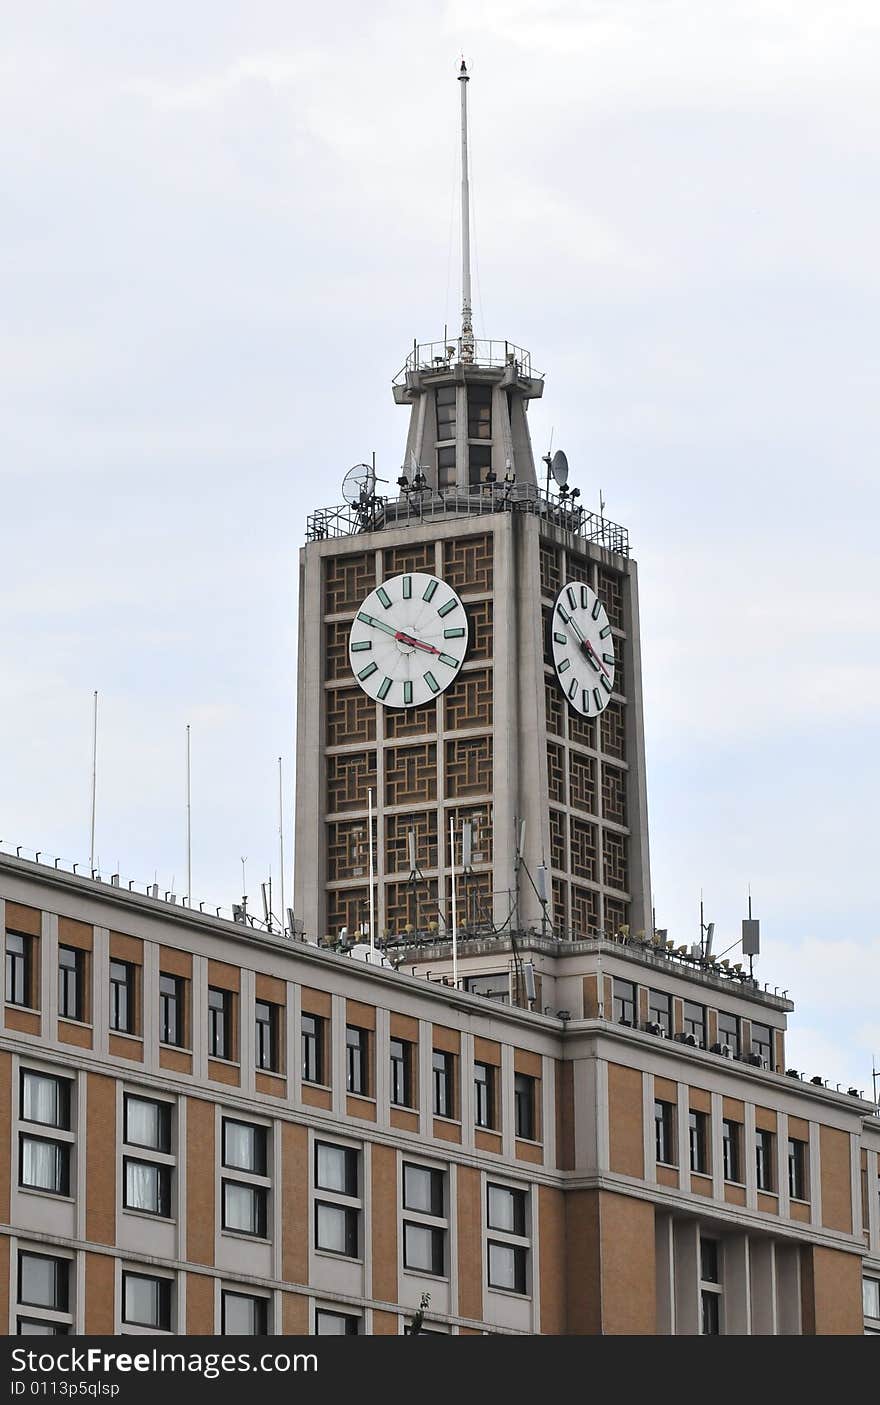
(415, 643)
(588, 645)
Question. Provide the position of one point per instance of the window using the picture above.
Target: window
(444, 1083)
(507, 1266)
(146, 1301)
(71, 966)
(243, 1315)
(764, 1159)
(797, 1169)
(147, 1123)
(45, 1099)
(660, 1010)
(506, 1209)
(18, 969)
(122, 997)
(220, 1023)
(312, 1049)
(337, 1209)
(490, 987)
(336, 1229)
(484, 1095)
(266, 1052)
(44, 1162)
(146, 1187)
(336, 1168)
(479, 403)
(663, 1138)
(336, 1324)
(445, 412)
(728, 1032)
(624, 1002)
(710, 1288)
(423, 1248)
(356, 1060)
(446, 468)
(697, 1125)
(171, 998)
(871, 1296)
(41, 1327)
(401, 1073)
(479, 461)
(762, 1043)
(244, 1208)
(524, 1106)
(423, 1190)
(43, 1281)
(694, 1021)
(244, 1146)
(730, 1134)
(508, 1256)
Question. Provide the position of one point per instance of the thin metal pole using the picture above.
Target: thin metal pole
(372, 893)
(281, 841)
(188, 821)
(454, 909)
(467, 329)
(94, 782)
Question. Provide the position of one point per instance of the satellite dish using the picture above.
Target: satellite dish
(364, 952)
(558, 468)
(358, 483)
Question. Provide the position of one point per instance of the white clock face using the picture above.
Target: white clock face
(583, 650)
(408, 640)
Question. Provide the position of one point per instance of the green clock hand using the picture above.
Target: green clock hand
(378, 624)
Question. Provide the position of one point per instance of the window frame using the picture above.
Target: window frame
(664, 1132)
(443, 1084)
(525, 1096)
(621, 1002)
(351, 1320)
(484, 1096)
(357, 1061)
(312, 1043)
(163, 1188)
(256, 1300)
(128, 986)
(266, 1062)
(660, 1009)
(64, 1088)
(692, 1025)
(172, 999)
(261, 1146)
(19, 969)
(220, 1024)
(62, 1191)
(731, 1150)
(347, 1202)
(698, 1140)
(400, 1072)
(763, 1048)
(71, 983)
(731, 1037)
(765, 1155)
(163, 1299)
(797, 1169)
(165, 1110)
(57, 1261)
(260, 1199)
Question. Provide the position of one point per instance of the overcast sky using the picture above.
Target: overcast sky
(221, 226)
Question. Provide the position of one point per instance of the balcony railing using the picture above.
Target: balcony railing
(490, 355)
(436, 506)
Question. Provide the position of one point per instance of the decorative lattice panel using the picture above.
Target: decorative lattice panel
(582, 781)
(610, 591)
(551, 575)
(480, 621)
(468, 701)
(554, 708)
(410, 904)
(581, 730)
(559, 890)
(411, 774)
(616, 916)
(584, 912)
(557, 841)
(613, 731)
(423, 823)
(619, 674)
(577, 568)
(584, 850)
(467, 564)
(468, 766)
(556, 772)
(347, 579)
(348, 853)
(350, 777)
(410, 721)
(336, 662)
(614, 872)
(347, 907)
(351, 717)
(473, 899)
(614, 794)
(481, 832)
(416, 556)
(546, 618)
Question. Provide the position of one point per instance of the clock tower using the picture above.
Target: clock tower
(469, 658)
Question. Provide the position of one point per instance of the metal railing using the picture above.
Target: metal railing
(489, 355)
(429, 505)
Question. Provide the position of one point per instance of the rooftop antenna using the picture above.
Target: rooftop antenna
(94, 783)
(189, 887)
(372, 885)
(467, 328)
(281, 836)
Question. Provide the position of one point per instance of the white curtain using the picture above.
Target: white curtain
(240, 1208)
(142, 1122)
(239, 1146)
(141, 1186)
(41, 1164)
(41, 1100)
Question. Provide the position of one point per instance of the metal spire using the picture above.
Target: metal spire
(467, 328)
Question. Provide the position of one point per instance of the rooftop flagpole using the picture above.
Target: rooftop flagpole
(467, 327)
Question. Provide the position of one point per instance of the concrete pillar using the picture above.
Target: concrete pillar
(735, 1301)
(762, 1261)
(686, 1249)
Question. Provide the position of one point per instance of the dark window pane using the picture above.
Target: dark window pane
(444, 1100)
(695, 1021)
(357, 1068)
(171, 1014)
(484, 1095)
(507, 1267)
(663, 1126)
(336, 1324)
(728, 1031)
(266, 1016)
(146, 1301)
(710, 1314)
(423, 1248)
(624, 1002)
(220, 1023)
(730, 1149)
(660, 1010)
(709, 1260)
(312, 1049)
(43, 1281)
(524, 1106)
(18, 969)
(122, 997)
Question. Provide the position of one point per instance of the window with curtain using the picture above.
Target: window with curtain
(147, 1187)
(45, 1099)
(244, 1208)
(244, 1316)
(146, 1301)
(244, 1146)
(44, 1165)
(147, 1123)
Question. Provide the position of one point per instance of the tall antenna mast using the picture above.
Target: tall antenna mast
(467, 327)
(281, 838)
(94, 784)
(189, 901)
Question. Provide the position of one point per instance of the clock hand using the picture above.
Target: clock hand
(596, 657)
(378, 624)
(415, 643)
